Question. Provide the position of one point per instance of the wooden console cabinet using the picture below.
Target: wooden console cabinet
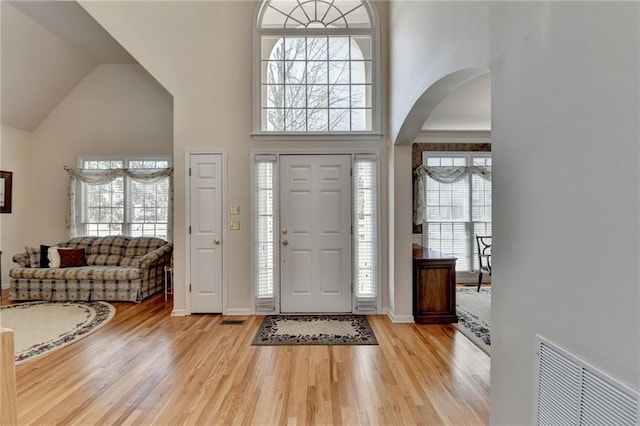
(434, 287)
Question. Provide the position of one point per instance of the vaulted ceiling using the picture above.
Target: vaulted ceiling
(48, 47)
(466, 109)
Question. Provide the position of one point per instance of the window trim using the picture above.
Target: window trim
(355, 153)
(469, 155)
(374, 135)
(363, 304)
(80, 226)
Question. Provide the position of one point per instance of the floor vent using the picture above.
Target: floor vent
(232, 322)
(573, 392)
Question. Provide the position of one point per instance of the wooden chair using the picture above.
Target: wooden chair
(484, 256)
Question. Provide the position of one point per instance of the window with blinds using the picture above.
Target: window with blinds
(124, 206)
(457, 212)
(264, 228)
(365, 233)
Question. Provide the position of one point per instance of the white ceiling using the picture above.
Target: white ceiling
(466, 109)
(48, 47)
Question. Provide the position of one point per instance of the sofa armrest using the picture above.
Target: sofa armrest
(156, 256)
(22, 259)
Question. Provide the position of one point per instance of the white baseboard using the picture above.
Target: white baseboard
(239, 311)
(179, 313)
(398, 319)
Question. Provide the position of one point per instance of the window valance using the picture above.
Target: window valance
(441, 174)
(103, 176)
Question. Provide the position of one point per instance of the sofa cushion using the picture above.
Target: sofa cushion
(107, 273)
(143, 245)
(97, 273)
(81, 273)
(107, 250)
(138, 247)
(130, 261)
(104, 259)
(110, 245)
(80, 242)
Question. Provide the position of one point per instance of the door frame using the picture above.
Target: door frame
(223, 218)
(313, 151)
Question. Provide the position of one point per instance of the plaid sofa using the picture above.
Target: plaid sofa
(118, 268)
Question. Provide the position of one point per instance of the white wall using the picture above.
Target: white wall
(565, 152)
(428, 41)
(427, 44)
(201, 52)
(565, 108)
(116, 109)
(15, 155)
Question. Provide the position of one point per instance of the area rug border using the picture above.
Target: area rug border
(104, 313)
(475, 329)
(267, 336)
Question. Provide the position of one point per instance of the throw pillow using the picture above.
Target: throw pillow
(71, 257)
(34, 257)
(44, 256)
(54, 257)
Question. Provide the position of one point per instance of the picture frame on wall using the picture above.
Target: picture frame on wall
(6, 184)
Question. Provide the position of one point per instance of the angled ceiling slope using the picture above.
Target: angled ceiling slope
(48, 47)
(466, 109)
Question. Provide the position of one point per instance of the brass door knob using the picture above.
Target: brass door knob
(216, 242)
(285, 242)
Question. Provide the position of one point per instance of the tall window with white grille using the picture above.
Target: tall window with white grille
(124, 206)
(317, 67)
(457, 212)
(365, 224)
(264, 232)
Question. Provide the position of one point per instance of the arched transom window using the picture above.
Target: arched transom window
(317, 67)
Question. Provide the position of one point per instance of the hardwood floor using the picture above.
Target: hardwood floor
(146, 367)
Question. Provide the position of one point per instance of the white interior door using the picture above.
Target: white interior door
(315, 234)
(206, 233)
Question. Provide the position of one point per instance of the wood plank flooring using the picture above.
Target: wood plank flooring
(146, 367)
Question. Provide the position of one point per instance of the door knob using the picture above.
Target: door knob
(285, 242)
(216, 242)
(284, 231)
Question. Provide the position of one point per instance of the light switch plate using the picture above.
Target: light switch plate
(234, 225)
(235, 209)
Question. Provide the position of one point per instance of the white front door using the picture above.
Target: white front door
(206, 233)
(315, 234)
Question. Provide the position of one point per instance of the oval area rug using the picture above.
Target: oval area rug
(42, 327)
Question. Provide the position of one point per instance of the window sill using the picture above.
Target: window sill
(310, 136)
